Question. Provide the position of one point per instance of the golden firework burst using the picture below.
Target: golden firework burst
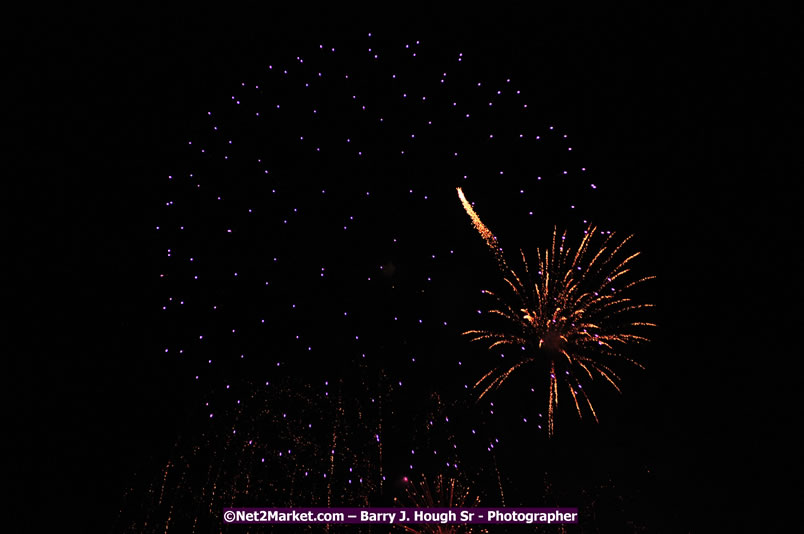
(574, 313)
(445, 491)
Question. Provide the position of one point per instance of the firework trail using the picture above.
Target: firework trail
(572, 314)
(485, 233)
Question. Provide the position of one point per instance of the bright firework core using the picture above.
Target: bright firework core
(551, 340)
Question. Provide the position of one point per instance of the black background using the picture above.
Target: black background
(688, 104)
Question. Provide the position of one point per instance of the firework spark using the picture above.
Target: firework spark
(573, 313)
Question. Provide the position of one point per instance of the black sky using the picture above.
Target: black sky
(666, 101)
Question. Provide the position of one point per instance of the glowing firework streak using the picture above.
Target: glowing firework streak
(573, 317)
(485, 233)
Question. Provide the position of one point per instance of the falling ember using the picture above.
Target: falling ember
(573, 315)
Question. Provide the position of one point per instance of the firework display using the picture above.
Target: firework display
(241, 280)
(573, 314)
(312, 295)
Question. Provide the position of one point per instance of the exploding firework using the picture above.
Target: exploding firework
(443, 492)
(573, 313)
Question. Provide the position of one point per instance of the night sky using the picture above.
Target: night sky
(317, 209)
